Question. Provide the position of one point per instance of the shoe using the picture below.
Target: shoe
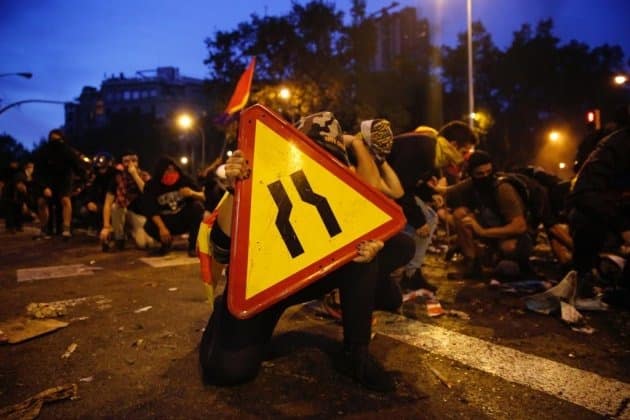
(417, 281)
(331, 305)
(472, 271)
(358, 364)
(66, 235)
(42, 235)
(161, 251)
(119, 244)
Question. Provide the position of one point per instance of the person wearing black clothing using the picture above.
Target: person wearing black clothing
(417, 157)
(96, 190)
(18, 197)
(173, 205)
(232, 349)
(56, 164)
(599, 203)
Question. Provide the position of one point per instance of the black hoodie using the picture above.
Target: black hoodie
(166, 199)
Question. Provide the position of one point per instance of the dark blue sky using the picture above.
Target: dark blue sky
(68, 44)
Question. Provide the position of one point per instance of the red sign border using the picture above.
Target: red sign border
(238, 305)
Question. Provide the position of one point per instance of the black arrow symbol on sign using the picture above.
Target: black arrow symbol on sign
(281, 198)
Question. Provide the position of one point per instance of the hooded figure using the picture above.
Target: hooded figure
(173, 205)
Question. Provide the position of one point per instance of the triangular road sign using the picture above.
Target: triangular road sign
(298, 216)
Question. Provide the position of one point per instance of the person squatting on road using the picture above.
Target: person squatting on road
(174, 205)
(491, 211)
(122, 209)
(417, 157)
(232, 349)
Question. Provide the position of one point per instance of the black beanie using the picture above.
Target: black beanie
(478, 158)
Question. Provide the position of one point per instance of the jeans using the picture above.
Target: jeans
(422, 243)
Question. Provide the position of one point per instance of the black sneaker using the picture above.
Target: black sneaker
(361, 366)
(417, 281)
(472, 271)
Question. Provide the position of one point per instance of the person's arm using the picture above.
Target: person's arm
(133, 171)
(366, 169)
(107, 216)
(389, 183)
(236, 168)
(188, 192)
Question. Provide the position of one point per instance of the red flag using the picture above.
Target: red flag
(241, 93)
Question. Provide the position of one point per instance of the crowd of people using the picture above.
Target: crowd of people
(495, 218)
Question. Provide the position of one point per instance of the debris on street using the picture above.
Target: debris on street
(22, 329)
(143, 309)
(71, 348)
(31, 407)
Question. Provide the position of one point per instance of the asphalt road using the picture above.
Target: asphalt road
(132, 361)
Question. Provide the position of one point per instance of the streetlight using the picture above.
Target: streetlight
(471, 95)
(186, 122)
(24, 74)
(620, 79)
(554, 136)
(284, 93)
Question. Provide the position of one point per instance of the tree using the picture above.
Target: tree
(11, 150)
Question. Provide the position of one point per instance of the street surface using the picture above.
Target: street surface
(132, 340)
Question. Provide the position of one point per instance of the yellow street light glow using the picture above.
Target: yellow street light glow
(473, 116)
(562, 165)
(183, 160)
(554, 136)
(620, 79)
(185, 121)
(284, 93)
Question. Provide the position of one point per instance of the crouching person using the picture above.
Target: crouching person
(233, 349)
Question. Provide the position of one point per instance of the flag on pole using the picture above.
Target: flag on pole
(241, 92)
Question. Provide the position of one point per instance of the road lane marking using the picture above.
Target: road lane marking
(599, 394)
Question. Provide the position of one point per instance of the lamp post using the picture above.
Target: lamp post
(24, 74)
(186, 122)
(471, 91)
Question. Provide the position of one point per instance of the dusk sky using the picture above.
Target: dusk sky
(68, 44)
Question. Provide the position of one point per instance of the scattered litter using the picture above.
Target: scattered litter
(79, 318)
(150, 284)
(58, 308)
(439, 376)
(143, 309)
(523, 287)
(569, 314)
(71, 348)
(22, 329)
(92, 262)
(571, 356)
(594, 304)
(87, 379)
(585, 329)
(495, 283)
(31, 407)
(424, 293)
(138, 342)
(434, 309)
(458, 314)
(172, 289)
(549, 301)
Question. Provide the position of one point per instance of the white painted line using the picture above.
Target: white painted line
(602, 395)
(51, 272)
(169, 261)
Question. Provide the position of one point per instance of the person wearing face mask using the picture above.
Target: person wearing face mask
(122, 209)
(491, 211)
(417, 158)
(173, 206)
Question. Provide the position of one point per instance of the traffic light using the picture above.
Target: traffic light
(593, 119)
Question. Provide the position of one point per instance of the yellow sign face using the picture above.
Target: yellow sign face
(300, 212)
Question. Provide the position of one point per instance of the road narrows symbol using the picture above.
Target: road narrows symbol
(282, 200)
(320, 202)
(283, 224)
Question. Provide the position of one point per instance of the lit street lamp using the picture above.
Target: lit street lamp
(24, 74)
(620, 79)
(186, 122)
(554, 136)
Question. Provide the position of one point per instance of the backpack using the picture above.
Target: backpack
(533, 194)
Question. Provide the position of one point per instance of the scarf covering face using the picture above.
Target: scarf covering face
(325, 130)
(446, 154)
(378, 136)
